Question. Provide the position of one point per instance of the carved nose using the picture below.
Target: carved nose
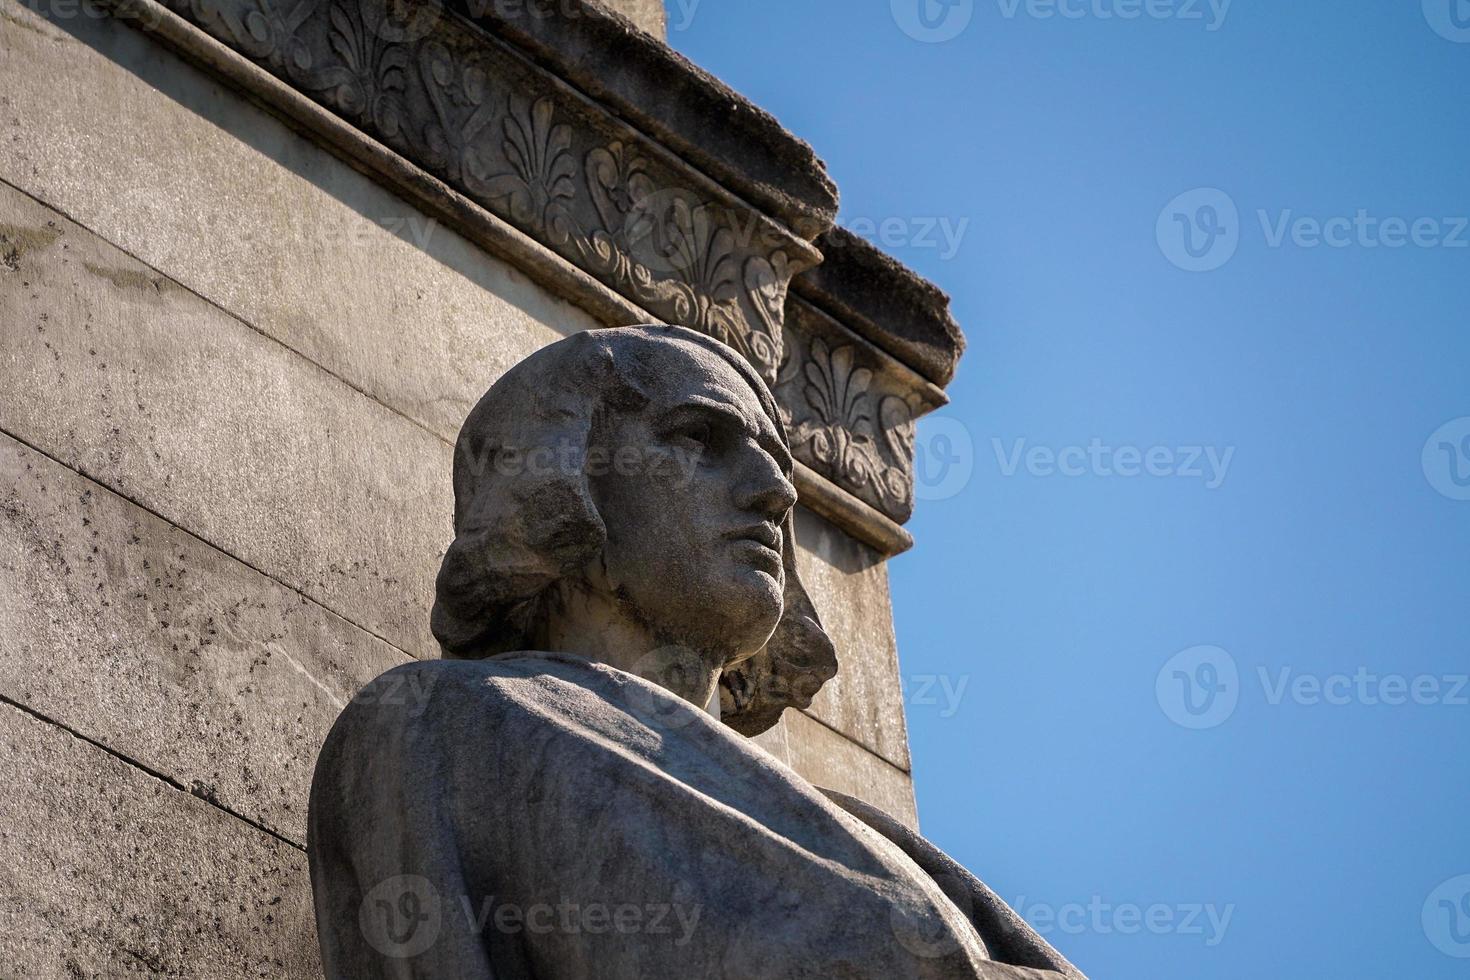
(768, 494)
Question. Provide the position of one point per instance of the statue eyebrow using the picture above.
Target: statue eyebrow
(728, 415)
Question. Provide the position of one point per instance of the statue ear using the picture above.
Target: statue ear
(790, 669)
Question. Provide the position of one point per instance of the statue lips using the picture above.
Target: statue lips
(762, 542)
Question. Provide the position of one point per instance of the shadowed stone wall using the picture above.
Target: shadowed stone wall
(232, 368)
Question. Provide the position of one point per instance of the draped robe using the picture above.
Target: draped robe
(543, 816)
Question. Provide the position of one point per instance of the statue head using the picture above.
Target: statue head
(626, 493)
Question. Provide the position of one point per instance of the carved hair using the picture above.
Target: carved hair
(521, 528)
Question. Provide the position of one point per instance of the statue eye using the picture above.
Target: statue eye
(696, 432)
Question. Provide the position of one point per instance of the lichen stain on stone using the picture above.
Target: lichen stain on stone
(16, 242)
(130, 278)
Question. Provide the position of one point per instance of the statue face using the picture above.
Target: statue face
(693, 489)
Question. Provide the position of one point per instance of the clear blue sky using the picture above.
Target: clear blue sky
(1062, 777)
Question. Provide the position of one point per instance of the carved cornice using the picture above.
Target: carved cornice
(469, 128)
(521, 143)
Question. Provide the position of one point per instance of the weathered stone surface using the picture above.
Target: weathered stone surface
(648, 15)
(877, 296)
(848, 584)
(121, 626)
(262, 223)
(106, 871)
(831, 761)
(125, 376)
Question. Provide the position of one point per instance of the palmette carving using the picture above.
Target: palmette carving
(539, 189)
(666, 249)
(366, 79)
(834, 430)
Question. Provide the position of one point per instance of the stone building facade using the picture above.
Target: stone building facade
(258, 258)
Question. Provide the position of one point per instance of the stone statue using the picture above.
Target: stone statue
(570, 794)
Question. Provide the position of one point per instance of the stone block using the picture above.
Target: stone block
(136, 382)
(147, 640)
(848, 583)
(107, 871)
(831, 761)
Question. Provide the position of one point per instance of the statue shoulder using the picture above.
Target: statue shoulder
(404, 720)
(413, 691)
(430, 694)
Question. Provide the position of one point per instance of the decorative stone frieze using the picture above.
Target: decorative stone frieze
(495, 107)
(445, 94)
